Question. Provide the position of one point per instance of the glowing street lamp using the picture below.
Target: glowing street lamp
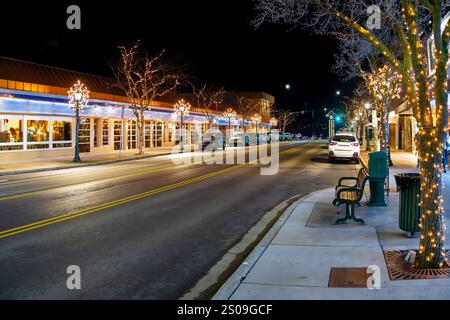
(182, 109)
(78, 99)
(274, 122)
(256, 118)
(230, 113)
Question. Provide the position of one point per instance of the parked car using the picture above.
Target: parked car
(240, 139)
(344, 145)
(286, 136)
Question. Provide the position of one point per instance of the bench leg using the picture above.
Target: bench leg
(353, 215)
(348, 215)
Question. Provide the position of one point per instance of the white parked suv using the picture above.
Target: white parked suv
(344, 145)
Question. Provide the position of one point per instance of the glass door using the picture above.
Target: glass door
(148, 134)
(158, 135)
(132, 134)
(117, 136)
(84, 135)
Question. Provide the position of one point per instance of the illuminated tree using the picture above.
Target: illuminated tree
(208, 99)
(285, 118)
(384, 86)
(143, 79)
(245, 108)
(407, 21)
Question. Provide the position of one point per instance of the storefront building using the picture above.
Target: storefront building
(36, 120)
(403, 125)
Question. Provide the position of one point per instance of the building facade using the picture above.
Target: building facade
(36, 120)
(403, 125)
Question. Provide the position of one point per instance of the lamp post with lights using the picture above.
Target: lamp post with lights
(256, 119)
(273, 122)
(229, 114)
(78, 99)
(182, 109)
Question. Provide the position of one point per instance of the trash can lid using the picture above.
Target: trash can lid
(407, 179)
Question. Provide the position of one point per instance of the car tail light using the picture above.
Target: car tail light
(356, 155)
(332, 143)
(331, 154)
(356, 144)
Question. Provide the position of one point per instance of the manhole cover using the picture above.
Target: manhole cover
(348, 278)
(399, 269)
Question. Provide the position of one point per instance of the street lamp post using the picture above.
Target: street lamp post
(367, 106)
(230, 113)
(256, 118)
(78, 98)
(182, 109)
(360, 127)
(273, 122)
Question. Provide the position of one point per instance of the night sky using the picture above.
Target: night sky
(213, 39)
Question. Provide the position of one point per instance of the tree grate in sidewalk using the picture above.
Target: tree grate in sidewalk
(348, 278)
(399, 269)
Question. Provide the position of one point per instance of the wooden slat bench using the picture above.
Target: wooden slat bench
(351, 194)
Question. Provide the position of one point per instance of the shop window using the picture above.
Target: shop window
(38, 131)
(62, 131)
(62, 145)
(11, 129)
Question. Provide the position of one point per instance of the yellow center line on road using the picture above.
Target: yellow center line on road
(79, 213)
(32, 193)
(83, 212)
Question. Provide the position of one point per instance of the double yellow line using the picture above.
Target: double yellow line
(83, 212)
(32, 193)
(79, 213)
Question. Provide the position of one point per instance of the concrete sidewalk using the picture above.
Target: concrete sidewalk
(293, 261)
(66, 162)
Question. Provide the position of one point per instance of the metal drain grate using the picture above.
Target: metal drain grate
(348, 278)
(399, 269)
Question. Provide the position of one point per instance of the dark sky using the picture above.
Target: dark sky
(213, 37)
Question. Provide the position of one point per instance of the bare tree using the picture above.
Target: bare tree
(245, 109)
(406, 20)
(143, 79)
(285, 118)
(208, 99)
(268, 112)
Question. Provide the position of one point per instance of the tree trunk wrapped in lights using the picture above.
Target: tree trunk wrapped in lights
(404, 22)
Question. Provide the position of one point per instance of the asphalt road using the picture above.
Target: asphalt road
(145, 229)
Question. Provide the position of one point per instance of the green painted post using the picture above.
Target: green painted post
(378, 172)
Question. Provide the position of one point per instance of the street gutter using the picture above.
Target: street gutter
(238, 261)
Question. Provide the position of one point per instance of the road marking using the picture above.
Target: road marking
(83, 212)
(79, 213)
(32, 193)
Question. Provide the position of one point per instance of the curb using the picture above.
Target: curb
(225, 275)
(100, 163)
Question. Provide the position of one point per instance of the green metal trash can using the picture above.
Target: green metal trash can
(408, 184)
